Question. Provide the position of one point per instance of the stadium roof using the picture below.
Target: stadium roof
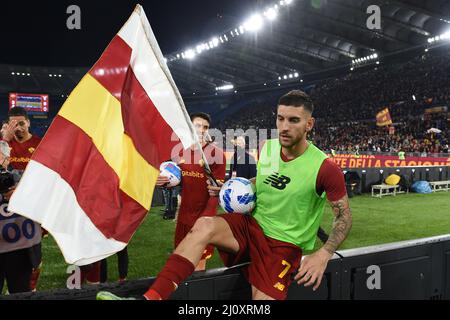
(306, 37)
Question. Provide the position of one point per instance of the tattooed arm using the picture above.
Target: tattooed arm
(313, 266)
(341, 225)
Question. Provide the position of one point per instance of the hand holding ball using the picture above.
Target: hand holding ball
(172, 171)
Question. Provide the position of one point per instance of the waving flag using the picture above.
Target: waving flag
(90, 182)
(384, 118)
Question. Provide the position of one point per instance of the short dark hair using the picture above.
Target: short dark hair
(17, 112)
(297, 98)
(202, 115)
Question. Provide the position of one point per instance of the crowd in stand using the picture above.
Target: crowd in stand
(346, 108)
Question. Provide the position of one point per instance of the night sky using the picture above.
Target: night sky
(35, 32)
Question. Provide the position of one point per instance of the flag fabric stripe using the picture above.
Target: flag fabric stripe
(112, 67)
(148, 68)
(74, 232)
(93, 181)
(95, 111)
(141, 119)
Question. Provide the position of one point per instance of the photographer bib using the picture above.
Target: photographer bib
(17, 232)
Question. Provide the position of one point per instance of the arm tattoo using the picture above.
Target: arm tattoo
(341, 225)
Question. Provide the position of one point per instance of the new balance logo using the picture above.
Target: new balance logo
(278, 181)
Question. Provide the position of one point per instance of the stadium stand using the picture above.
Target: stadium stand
(346, 118)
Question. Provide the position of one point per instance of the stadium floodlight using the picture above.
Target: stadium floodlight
(199, 48)
(301, 80)
(378, 62)
(60, 75)
(445, 36)
(279, 78)
(189, 54)
(236, 31)
(12, 73)
(375, 55)
(288, 1)
(254, 23)
(225, 87)
(285, 77)
(271, 14)
(351, 69)
(291, 76)
(282, 3)
(296, 74)
(414, 97)
(241, 29)
(50, 75)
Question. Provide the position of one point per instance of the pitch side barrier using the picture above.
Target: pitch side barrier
(370, 176)
(414, 269)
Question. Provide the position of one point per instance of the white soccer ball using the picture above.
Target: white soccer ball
(172, 171)
(237, 195)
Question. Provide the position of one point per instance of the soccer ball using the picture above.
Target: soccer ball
(237, 195)
(172, 171)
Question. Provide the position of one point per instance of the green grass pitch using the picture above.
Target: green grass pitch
(375, 221)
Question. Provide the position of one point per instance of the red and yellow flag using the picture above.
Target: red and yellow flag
(90, 182)
(384, 118)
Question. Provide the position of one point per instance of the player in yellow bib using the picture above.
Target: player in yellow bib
(294, 180)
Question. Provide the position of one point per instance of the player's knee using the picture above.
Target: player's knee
(204, 228)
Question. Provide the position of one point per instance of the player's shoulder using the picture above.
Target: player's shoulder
(35, 138)
(329, 167)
